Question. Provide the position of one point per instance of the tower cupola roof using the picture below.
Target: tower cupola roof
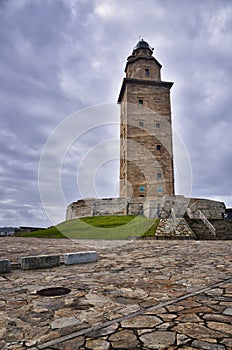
(142, 44)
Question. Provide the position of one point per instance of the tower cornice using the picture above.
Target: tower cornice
(127, 81)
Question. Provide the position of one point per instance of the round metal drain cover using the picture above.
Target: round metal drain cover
(53, 291)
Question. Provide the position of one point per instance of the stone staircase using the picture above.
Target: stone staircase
(200, 230)
(223, 229)
(178, 221)
(186, 228)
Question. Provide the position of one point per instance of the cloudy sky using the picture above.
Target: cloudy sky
(60, 58)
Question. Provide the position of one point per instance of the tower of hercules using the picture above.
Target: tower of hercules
(146, 153)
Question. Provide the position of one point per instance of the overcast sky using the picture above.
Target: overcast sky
(59, 57)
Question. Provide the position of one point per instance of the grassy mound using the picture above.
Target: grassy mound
(51, 232)
(100, 227)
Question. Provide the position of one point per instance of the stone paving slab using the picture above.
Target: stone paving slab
(140, 295)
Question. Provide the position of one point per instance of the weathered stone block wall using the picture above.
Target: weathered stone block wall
(97, 207)
(211, 209)
(223, 228)
(136, 206)
(177, 203)
(110, 206)
(164, 207)
(81, 208)
(151, 208)
(137, 70)
(143, 141)
(182, 205)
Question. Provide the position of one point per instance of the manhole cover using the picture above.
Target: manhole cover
(53, 291)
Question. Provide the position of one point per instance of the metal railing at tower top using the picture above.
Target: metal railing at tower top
(207, 223)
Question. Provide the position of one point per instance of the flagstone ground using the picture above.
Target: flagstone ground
(138, 295)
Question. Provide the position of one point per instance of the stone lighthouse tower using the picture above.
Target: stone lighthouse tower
(146, 155)
(146, 152)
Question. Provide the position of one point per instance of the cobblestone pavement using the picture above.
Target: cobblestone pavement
(140, 295)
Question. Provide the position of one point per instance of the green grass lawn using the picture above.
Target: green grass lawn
(100, 227)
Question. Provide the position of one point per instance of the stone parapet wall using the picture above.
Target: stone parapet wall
(114, 206)
(165, 207)
(104, 207)
(162, 207)
(79, 209)
(211, 209)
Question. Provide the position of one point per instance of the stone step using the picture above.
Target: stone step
(201, 231)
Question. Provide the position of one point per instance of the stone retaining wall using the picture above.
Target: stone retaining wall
(211, 209)
(149, 207)
(105, 206)
(223, 229)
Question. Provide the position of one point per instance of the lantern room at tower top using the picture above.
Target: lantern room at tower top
(146, 152)
(142, 44)
(143, 51)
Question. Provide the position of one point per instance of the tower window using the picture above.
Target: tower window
(159, 175)
(140, 102)
(147, 72)
(141, 124)
(158, 147)
(159, 189)
(157, 125)
(142, 189)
